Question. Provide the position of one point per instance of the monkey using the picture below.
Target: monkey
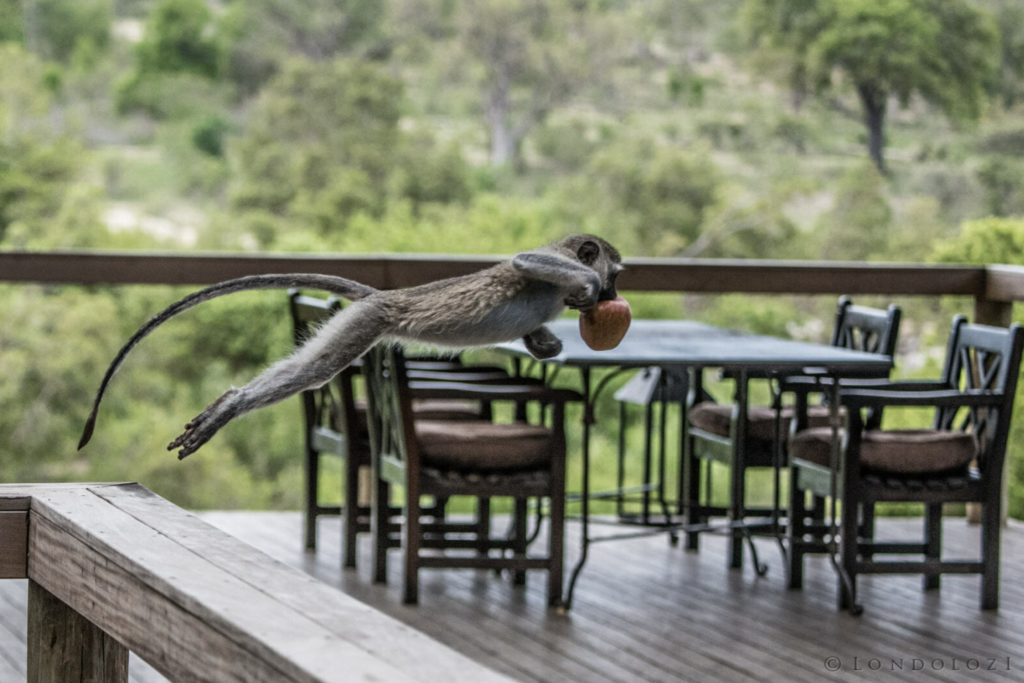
(511, 300)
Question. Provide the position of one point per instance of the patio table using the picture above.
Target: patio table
(682, 346)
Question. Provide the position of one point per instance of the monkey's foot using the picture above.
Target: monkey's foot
(542, 344)
(202, 428)
(543, 350)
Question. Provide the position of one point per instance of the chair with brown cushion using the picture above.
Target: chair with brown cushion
(712, 425)
(462, 458)
(959, 459)
(335, 424)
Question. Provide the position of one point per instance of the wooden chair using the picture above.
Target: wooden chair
(335, 424)
(478, 459)
(959, 459)
(712, 426)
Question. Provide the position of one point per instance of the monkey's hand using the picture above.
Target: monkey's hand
(584, 298)
(542, 343)
(202, 428)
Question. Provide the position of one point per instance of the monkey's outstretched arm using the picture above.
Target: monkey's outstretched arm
(348, 289)
(582, 282)
(345, 337)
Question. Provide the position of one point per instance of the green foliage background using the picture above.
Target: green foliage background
(727, 129)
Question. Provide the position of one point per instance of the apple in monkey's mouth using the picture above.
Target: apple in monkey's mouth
(604, 325)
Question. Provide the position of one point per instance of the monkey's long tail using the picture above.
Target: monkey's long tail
(347, 289)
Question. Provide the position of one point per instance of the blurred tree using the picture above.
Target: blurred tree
(260, 35)
(38, 164)
(782, 32)
(321, 142)
(1003, 180)
(1010, 17)
(12, 21)
(177, 39)
(662, 192)
(984, 241)
(751, 230)
(535, 56)
(426, 173)
(945, 51)
(857, 227)
(177, 46)
(58, 29)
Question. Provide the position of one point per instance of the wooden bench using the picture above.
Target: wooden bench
(114, 568)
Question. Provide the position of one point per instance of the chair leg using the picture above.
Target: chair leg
(795, 532)
(556, 544)
(737, 512)
(620, 478)
(867, 525)
(645, 509)
(691, 483)
(350, 509)
(312, 472)
(381, 535)
(519, 531)
(848, 554)
(483, 525)
(932, 541)
(818, 507)
(411, 537)
(990, 531)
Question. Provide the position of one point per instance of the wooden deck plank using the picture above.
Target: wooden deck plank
(522, 657)
(198, 603)
(353, 622)
(645, 611)
(642, 596)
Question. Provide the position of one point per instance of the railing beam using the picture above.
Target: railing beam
(65, 647)
(389, 271)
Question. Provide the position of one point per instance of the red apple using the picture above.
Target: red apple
(604, 325)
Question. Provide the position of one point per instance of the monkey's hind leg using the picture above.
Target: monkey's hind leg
(340, 341)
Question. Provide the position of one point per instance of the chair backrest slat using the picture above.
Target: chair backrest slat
(866, 329)
(983, 358)
(389, 404)
(333, 404)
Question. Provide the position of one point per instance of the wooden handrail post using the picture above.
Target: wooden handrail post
(65, 647)
(990, 312)
(999, 313)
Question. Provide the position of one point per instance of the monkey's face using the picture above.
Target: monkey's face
(603, 258)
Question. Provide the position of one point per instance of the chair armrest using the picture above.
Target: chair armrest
(810, 385)
(433, 364)
(493, 392)
(948, 398)
(466, 375)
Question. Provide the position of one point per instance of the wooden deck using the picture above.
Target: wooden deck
(644, 611)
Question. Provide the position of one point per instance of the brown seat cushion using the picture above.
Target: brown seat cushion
(902, 451)
(481, 446)
(716, 418)
(438, 409)
(429, 409)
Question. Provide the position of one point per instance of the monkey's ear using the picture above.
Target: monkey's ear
(588, 253)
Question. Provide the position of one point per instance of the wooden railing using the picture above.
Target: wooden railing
(992, 287)
(114, 568)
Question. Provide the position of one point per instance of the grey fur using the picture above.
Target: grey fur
(508, 301)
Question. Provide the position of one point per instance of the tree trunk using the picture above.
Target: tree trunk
(503, 141)
(874, 103)
(798, 87)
